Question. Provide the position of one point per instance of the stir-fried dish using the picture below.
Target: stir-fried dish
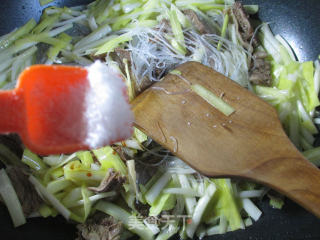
(136, 187)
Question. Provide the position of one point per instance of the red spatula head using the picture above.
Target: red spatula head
(58, 109)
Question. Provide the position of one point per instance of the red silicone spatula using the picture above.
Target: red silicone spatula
(49, 109)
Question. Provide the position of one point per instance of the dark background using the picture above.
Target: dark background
(298, 22)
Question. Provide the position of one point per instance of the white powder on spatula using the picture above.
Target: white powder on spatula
(108, 114)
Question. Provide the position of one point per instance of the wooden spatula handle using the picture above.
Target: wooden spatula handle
(11, 115)
(293, 176)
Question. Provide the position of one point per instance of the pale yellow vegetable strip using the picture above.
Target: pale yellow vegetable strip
(212, 99)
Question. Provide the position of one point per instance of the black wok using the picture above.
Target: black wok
(298, 22)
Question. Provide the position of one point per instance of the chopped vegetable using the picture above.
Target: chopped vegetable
(276, 200)
(132, 177)
(189, 201)
(113, 210)
(108, 158)
(313, 155)
(50, 198)
(251, 209)
(140, 136)
(11, 200)
(32, 160)
(163, 202)
(212, 99)
(178, 41)
(224, 30)
(45, 2)
(224, 203)
(154, 191)
(143, 40)
(199, 209)
(113, 43)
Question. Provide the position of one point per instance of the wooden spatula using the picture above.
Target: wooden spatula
(250, 143)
